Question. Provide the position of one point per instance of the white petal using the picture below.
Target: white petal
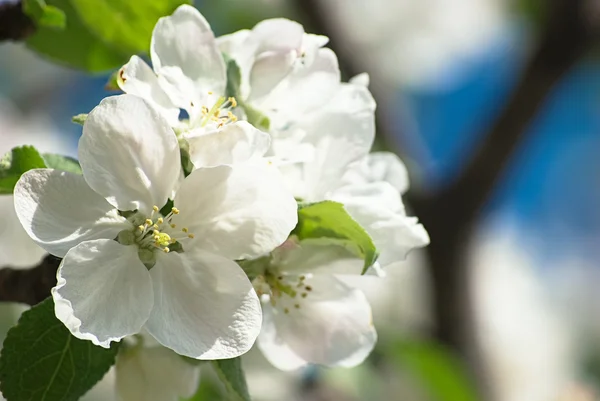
(234, 143)
(184, 50)
(306, 89)
(268, 70)
(233, 43)
(204, 307)
(154, 374)
(137, 78)
(278, 34)
(129, 154)
(317, 256)
(393, 233)
(104, 292)
(239, 211)
(331, 327)
(379, 166)
(59, 210)
(17, 249)
(273, 347)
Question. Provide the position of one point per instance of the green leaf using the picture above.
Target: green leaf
(44, 15)
(438, 370)
(127, 24)
(256, 118)
(79, 118)
(329, 220)
(98, 35)
(75, 46)
(42, 361)
(232, 375)
(15, 163)
(60, 162)
(234, 77)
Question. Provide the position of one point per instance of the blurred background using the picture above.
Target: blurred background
(494, 105)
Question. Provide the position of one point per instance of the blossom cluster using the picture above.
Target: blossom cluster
(183, 224)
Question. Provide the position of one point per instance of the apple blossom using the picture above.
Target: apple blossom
(309, 314)
(126, 265)
(190, 74)
(146, 371)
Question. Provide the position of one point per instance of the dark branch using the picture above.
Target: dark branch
(567, 36)
(14, 23)
(29, 286)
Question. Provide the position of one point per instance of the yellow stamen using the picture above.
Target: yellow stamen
(175, 210)
(155, 208)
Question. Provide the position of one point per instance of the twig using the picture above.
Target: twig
(29, 286)
(14, 24)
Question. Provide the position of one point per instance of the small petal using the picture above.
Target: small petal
(268, 70)
(129, 154)
(304, 90)
(204, 307)
(104, 292)
(278, 34)
(331, 326)
(184, 50)
(154, 374)
(234, 143)
(137, 78)
(379, 166)
(239, 211)
(316, 256)
(59, 210)
(393, 233)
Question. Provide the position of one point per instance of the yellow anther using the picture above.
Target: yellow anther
(162, 239)
(233, 101)
(173, 225)
(175, 210)
(234, 118)
(190, 235)
(210, 92)
(184, 229)
(155, 227)
(304, 295)
(173, 240)
(148, 222)
(166, 250)
(155, 232)
(308, 288)
(141, 228)
(155, 208)
(160, 220)
(297, 306)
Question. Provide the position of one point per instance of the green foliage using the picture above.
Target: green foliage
(438, 370)
(232, 375)
(126, 25)
(64, 163)
(79, 118)
(329, 220)
(15, 163)
(100, 35)
(42, 361)
(44, 15)
(234, 79)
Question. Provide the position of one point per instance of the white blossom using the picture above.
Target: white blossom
(171, 274)
(189, 73)
(309, 314)
(341, 169)
(145, 371)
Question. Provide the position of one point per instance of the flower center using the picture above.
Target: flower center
(219, 114)
(283, 292)
(155, 232)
